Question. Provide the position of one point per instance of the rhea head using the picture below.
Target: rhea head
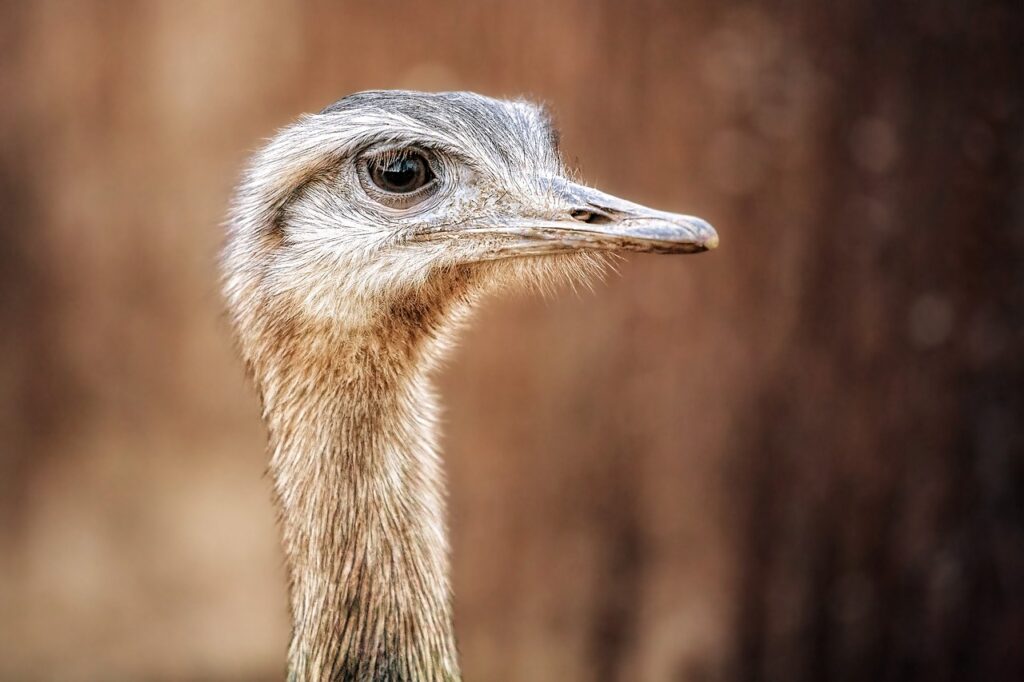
(357, 237)
(391, 201)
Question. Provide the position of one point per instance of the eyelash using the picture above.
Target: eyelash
(389, 156)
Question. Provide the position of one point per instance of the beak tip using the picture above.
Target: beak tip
(708, 236)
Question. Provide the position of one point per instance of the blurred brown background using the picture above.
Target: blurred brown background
(796, 458)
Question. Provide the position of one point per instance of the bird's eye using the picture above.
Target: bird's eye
(402, 173)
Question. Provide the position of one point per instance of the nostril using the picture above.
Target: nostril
(593, 217)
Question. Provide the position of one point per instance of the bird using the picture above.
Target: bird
(358, 242)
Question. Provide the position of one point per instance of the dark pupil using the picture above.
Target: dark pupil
(402, 175)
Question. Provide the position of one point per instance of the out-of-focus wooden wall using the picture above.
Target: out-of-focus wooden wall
(742, 465)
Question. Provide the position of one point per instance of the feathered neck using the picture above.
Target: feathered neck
(351, 418)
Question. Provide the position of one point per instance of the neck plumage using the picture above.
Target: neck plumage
(359, 483)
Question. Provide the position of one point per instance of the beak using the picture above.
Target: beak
(583, 218)
(595, 220)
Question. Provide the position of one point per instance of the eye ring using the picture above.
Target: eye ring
(398, 178)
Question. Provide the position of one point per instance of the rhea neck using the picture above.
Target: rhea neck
(351, 417)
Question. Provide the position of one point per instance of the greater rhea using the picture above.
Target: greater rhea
(358, 239)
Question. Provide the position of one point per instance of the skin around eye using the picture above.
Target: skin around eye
(398, 178)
